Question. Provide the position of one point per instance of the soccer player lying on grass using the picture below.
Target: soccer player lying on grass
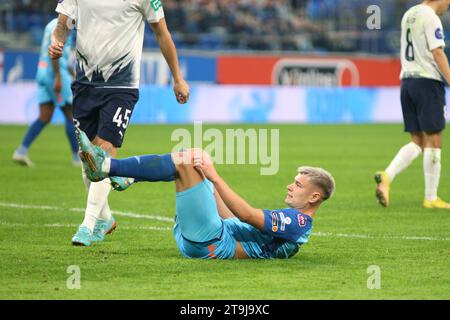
(212, 221)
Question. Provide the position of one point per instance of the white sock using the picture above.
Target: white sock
(432, 171)
(403, 159)
(106, 165)
(105, 214)
(97, 197)
(86, 180)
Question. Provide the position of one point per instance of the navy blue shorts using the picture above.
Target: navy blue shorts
(103, 112)
(423, 105)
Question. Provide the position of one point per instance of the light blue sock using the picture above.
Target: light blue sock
(145, 168)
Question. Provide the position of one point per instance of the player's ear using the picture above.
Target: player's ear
(315, 197)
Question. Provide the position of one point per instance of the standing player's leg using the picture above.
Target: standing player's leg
(432, 170)
(86, 104)
(113, 109)
(98, 220)
(431, 110)
(105, 223)
(45, 116)
(408, 153)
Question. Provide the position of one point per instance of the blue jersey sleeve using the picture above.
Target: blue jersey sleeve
(288, 224)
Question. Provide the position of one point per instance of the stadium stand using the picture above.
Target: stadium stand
(275, 25)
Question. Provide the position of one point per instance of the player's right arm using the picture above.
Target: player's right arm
(441, 60)
(435, 42)
(238, 206)
(235, 203)
(58, 37)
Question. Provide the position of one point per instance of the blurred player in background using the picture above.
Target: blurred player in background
(110, 35)
(424, 68)
(54, 80)
(212, 221)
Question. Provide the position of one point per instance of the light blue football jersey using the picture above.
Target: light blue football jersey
(284, 232)
(45, 73)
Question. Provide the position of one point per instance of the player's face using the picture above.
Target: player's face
(443, 7)
(301, 193)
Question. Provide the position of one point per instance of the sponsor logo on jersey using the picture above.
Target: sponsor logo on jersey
(156, 4)
(301, 220)
(274, 221)
(438, 34)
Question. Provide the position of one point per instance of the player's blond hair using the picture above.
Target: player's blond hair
(320, 178)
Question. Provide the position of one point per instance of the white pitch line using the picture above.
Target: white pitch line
(165, 219)
(367, 236)
(60, 225)
(119, 213)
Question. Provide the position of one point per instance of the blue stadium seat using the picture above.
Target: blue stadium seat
(210, 41)
(37, 33)
(21, 21)
(36, 20)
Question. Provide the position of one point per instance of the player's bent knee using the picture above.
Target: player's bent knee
(186, 158)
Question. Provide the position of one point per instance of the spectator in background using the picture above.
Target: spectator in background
(298, 25)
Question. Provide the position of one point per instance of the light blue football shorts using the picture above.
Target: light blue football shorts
(46, 92)
(199, 231)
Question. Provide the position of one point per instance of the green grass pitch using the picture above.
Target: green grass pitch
(40, 209)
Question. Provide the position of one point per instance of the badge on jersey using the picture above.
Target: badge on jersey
(301, 220)
(438, 34)
(287, 224)
(274, 221)
(156, 4)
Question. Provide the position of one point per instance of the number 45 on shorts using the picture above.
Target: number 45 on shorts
(122, 118)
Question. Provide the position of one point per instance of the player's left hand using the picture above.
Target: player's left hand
(55, 49)
(203, 162)
(181, 90)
